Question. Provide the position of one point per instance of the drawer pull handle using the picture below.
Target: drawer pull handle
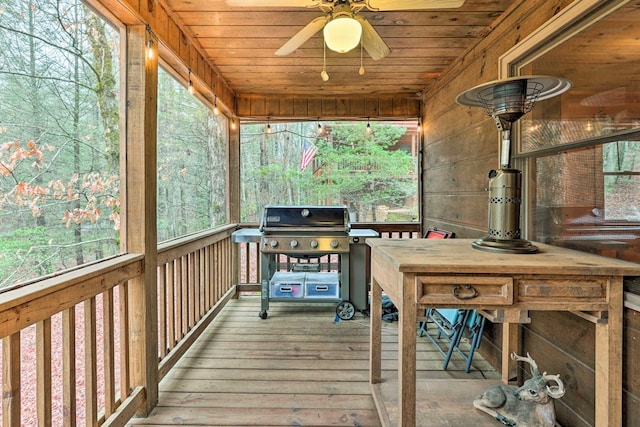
(473, 293)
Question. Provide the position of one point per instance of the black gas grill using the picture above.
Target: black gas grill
(311, 254)
(305, 230)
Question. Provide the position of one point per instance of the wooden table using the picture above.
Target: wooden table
(421, 273)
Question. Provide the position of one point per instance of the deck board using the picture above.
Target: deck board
(297, 367)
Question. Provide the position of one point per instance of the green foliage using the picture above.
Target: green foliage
(59, 123)
(364, 170)
(21, 239)
(192, 166)
(360, 170)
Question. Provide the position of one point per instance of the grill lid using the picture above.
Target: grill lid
(302, 218)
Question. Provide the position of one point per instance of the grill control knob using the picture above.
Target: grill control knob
(314, 244)
(334, 244)
(273, 243)
(294, 243)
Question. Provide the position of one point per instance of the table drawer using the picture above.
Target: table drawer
(578, 289)
(464, 290)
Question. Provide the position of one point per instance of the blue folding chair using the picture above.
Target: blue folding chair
(449, 323)
(453, 325)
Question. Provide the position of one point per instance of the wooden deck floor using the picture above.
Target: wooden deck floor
(299, 367)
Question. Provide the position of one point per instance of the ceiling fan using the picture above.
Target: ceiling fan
(342, 27)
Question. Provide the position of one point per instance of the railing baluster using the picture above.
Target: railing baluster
(184, 295)
(43, 355)
(90, 362)
(208, 277)
(123, 302)
(69, 367)
(11, 380)
(109, 352)
(170, 305)
(162, 310)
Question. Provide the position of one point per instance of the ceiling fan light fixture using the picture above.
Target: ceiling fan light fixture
(342, 33)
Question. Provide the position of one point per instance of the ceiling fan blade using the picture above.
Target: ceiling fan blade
(273, 3)
(413, 4)
(371, 40)
(303, 35)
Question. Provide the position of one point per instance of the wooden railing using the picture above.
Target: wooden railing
(249, 256)
(66, 345)
(63, 332)
(195, 276)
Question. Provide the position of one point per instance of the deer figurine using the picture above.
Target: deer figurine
(528, 406)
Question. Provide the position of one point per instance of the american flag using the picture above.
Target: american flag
(308, 153)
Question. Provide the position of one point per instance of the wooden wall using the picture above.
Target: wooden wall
(460, 146)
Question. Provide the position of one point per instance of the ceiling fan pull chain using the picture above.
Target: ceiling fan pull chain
(361, 70)
(323, 74)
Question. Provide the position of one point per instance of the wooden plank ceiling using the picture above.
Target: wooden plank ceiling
(240, 42)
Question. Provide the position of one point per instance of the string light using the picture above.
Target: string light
(190, 84)
(151, 53)
(319, 128)
(268, 126)
(368, 126)
(215, 106)
(233, 123)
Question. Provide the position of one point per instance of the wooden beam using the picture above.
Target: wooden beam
(328, 107)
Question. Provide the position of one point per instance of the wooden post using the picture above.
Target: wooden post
(139, 161)
(233, 191)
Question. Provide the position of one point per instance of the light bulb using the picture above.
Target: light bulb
(268, 128)
(324, 75)
(361, 70)
(233, 123)
(150, 52)
(190, 88)
(215, 109)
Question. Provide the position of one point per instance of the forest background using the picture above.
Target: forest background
(60, 151)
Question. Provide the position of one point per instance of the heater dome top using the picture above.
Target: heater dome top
(513, 95)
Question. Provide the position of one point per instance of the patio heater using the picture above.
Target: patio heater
(506, 101)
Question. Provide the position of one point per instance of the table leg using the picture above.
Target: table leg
(407, 356)
(609, 361)
(510, 344)
(375, 342)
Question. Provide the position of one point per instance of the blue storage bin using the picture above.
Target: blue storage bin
(322, 286)
(287, 285)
